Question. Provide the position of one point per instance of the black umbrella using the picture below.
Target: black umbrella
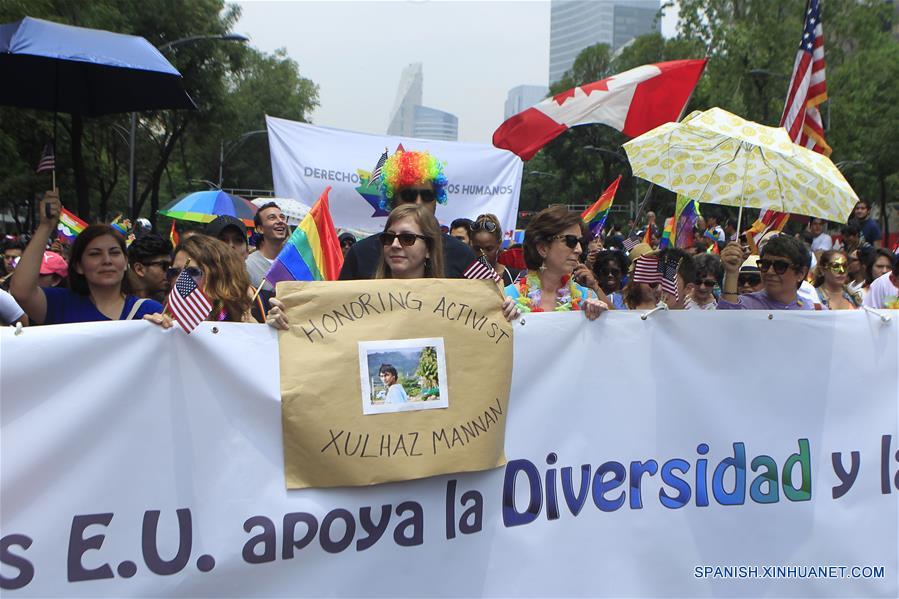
(50, 66)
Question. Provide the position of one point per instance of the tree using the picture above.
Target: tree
(427, 368)
(171, 146)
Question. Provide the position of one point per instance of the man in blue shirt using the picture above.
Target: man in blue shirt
(869, 227)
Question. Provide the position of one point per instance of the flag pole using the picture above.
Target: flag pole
(258, 289)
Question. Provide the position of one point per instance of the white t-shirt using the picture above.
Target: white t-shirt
(882, 293)
(822, 243)
(808, 293)
(257, 268)
(10, 311)
(396, 394)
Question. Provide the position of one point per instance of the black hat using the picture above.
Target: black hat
(347, 237)
(215, 228)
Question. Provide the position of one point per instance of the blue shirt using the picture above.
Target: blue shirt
(759, 300)
(64, 306)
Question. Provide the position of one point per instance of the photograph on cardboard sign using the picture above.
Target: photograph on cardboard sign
(400, 375)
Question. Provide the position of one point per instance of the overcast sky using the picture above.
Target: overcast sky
(472, 54)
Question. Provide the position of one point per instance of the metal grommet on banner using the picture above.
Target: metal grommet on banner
(521, 322)
(770, 316)
(19, 328)
(215, 330)
(884, 318)
(660, 306)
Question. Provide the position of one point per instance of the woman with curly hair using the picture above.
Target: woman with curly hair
(219, 272)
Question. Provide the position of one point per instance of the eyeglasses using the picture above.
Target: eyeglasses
(483, 225)
(406, 239)
(748, 280)
(570, 240)
(163, 264)
(780, 266)
(410, 195)
(710, 283)
(605, 272)
(836, 268)
(173, 272)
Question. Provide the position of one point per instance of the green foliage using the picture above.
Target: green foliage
(427, 367)
(233, 84)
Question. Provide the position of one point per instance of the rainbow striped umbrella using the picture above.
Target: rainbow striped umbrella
(204, 206)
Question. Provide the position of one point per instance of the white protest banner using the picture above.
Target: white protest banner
(644, 460)
(306, 159)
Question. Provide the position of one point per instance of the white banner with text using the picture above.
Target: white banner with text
(691, 454)
(306, 159)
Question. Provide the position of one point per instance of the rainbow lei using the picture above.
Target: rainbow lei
(530, 294)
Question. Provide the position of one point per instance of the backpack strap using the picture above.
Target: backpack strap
(135, 308)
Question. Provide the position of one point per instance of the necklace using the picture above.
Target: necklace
(530, 294)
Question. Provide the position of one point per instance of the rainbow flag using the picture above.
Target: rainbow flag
(713, 242)
(313, 251)
(69, 225)
(667, 234)
(595, 216)
(685, 215)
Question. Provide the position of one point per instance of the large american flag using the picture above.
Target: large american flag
(808, 88)
(187, 302)
(481, 269)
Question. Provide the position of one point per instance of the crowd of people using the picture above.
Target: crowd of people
(560, 266)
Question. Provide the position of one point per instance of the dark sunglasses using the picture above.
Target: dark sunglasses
(410, 195)
(707, 283)
(173, 272)
(605, 272)
(780, 266)
(163, 264)
(406, 239)
(751, 280)
(483, 225)
(570, 240)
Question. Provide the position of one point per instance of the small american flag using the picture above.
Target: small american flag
(481, 269)
(647, 270)
(376, 173)
(187, 302)
(808, 87)
(632, 241)
(669, 276)
(47, 161)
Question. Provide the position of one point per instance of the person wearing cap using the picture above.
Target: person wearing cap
(53, 272)
(232, 231)
(749, 279)
(784, 263)
(149, 257)
(347, 240)
(408, 178)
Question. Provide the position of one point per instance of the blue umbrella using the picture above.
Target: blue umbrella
(50, 66)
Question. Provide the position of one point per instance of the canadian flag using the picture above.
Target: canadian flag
(633, 102)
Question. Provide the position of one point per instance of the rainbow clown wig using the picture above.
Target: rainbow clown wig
(407, 169)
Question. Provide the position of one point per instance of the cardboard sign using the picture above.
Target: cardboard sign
(387, 380)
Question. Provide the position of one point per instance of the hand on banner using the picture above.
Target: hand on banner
(594, 307)
(49, 208)
(732, 257)
(163, 320)
(510, 309)
(276, 317)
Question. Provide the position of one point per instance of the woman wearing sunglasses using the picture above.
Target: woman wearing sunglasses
(411, 245)
(552, 248)
(486, 238)
(96, 272)
(831, 283)
(783, 264)
(219, 272)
